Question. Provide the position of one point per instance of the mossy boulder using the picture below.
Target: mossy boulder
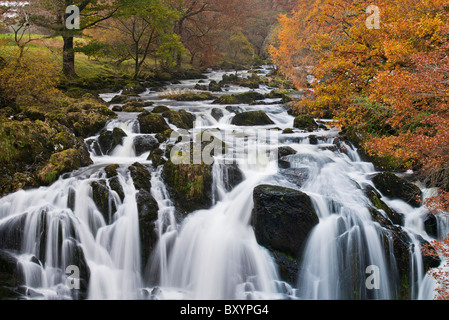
(189, 184)
(252, 118)
(392, 186)
(214, 86)
(160, 109)
(241, 98)
(181, 119)
(164, 136)
(305, 122)
(152, 123)
(63, 162)
(194, 96)
(157, 157)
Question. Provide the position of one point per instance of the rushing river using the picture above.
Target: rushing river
(212, 253)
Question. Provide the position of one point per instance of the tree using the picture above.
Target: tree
(53, 15)
(147, 28)
(387, 87)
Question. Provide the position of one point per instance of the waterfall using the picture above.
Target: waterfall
(89, 221)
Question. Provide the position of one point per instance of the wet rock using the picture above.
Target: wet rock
(160, 109)
(164, 136)
(214, 86)
(395, 187)
(141, 176)
(252, 118)
(181, 119)
(63, 162)
(111, 170)
(12, 233)
(285, 151)
(152, 123)
(399, 249)
(305, 122)
(147, 208)
(217, 113)
(157, 157)
(10, 277)
(234, 109)
(375, 199)
(296, 176)
(431, 225)
(282, 218)
(241, 98)
(190, 185)
(101, 198)
(144, 144)
(109, 140)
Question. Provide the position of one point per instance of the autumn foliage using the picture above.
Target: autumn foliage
(388, 88)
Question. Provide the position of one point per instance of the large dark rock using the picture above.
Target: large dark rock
(144, 144)
(376, 202)
(395, 187)
(399, 250)
(10, 276)
(252, 118)
(102, 198)
(217, 113)
(147, 209)
(12, 233)
(282, 218)
(152, 123)
(109, 140)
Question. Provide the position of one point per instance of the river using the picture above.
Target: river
(213, 253)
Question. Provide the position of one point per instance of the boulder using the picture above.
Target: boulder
(160, 109)
(241, 98)
(101, 197)
(377, 204)
(305, 122)
(214, 86)
(392, 186)
(152, 123)
(217, 113)
(252, 118)
(282, 218)
(109, 140)
(181, 119)
(190, 185)
(10, 277)
(63, 162)
(148, 210)
(145, 143)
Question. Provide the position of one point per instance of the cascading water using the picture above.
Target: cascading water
(211, 253)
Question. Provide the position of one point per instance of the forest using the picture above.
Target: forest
(366, 81)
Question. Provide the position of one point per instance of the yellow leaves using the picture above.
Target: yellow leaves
(34, 75)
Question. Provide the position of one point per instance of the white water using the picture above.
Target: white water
(211, 254)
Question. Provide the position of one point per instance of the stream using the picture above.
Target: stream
(212, 253)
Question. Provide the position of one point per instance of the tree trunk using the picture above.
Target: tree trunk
(68, 57)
